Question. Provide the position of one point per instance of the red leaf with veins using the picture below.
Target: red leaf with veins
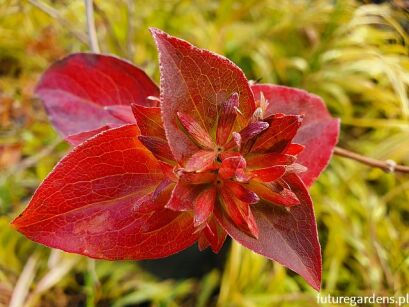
(213, 235)
(204, 205)
(197, 178)
(252, 130)
(274, 193)
(227, 119)
(264, 160)
(241, 192)
(196, 82)
(158, 146)
(232, 166)
(239, 213)
(269, 174)
(279, 134)
(76, 89)
(86, 207)
(198, 134)
(318, 132)
(247, 136)
(149, 120)
(183, 196)
(200, 161)
(288, 236)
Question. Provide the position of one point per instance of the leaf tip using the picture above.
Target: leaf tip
(154, 30)
(13, 224)
(316, 283)
(157, 33)
(16, 223)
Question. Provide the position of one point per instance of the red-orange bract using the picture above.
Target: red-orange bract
(213, 155)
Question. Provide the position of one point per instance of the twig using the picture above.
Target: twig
(54, 14)
(32, 160)
(92, 34)
(24, 282)
(131, 28)
(108, 27)
(388, 166)
(396, 191)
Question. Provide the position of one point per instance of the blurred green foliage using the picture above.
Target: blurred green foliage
(355, 56)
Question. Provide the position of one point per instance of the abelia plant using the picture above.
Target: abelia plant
(207, 155)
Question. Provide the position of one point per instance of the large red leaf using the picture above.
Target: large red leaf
(318, 132)
(197, 82)
(286, 235)
(97, 202)
(76, 89)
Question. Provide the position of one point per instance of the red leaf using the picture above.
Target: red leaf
(183, 196)
(197, 82)
(204, 205)
(76, 89)
(213, 234)
(195, 131)
(166, 186)
(252, 130)
(168, 171)
(256, 160)
(200, 161)
(294, 149)
(318, 132)
(239, 213)
(279, 134)
(247, 135)
(288, 236)
(197, 178)
(232, 167)
(241, 192)
(202, 242)
(158, 146)
(149, 120)
(97, 203)
(269, 174)
(227, 119)
(275, 193)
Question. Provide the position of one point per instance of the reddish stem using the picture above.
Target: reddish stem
(389, 166)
